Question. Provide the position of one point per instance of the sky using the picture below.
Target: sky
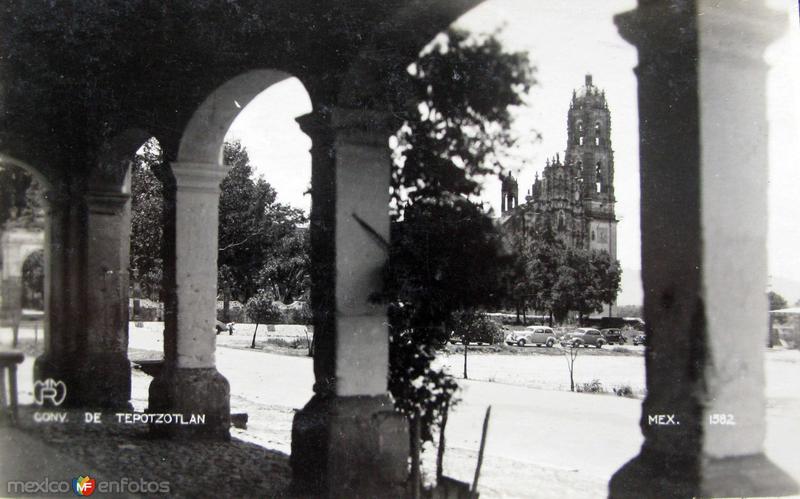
(566, 39)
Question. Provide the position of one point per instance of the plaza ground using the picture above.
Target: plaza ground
(543, 440)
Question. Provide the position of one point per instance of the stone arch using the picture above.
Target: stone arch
(110, 172)
(35, 172)
(203, 138)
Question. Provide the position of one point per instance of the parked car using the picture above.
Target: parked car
(613, 335)
(640, 339)
(532, 335)
(583, 337)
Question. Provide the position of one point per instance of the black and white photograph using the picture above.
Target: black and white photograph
(441, 249)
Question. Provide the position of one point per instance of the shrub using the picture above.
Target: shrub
(294, 343)
(594, 386)
(418, 387)
(624, 391)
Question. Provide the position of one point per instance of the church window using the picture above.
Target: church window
(598, 177)
(597, 134)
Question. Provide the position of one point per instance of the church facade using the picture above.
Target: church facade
(574, 194)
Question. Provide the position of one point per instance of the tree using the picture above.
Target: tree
(445, 253)
(253, 226)
(595, 279)
(147, 208)
(464, 89)
(475, 327)
(607, 274)
(285, 271)
(262, 309)
(443, 258)
(537, 272)
(255, 230)
(777, 302)
(20, 197)
(558, 279)
(570, 354)
(33, 280)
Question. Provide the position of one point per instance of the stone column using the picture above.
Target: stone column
(189, 382)
(347, 441)
(57, 361)
(703, 136)
(106, 368)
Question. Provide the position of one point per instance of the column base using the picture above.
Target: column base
(656, 475)
(745, 476)
(350, 447)
(93, 380)
(202, 395)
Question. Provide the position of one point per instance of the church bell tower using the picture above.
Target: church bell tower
(589, 150)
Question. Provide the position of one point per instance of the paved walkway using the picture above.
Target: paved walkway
(23, 457)
(126, 454)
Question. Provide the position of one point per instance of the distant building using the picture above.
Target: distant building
(575, 195)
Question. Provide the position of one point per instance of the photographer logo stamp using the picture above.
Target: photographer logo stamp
(47, 393)
(51, 390)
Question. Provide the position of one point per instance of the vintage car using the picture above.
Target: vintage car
(613, 335)
(583, 337)
(532, 335)
(640, 339)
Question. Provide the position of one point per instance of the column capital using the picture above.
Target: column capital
(365, 126)
(198, 177)
(738, 31)
(317, 124)
(107, 203)
(665, 26)
(360, 126)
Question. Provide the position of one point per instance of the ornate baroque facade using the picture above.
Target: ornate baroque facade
(575, 195)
